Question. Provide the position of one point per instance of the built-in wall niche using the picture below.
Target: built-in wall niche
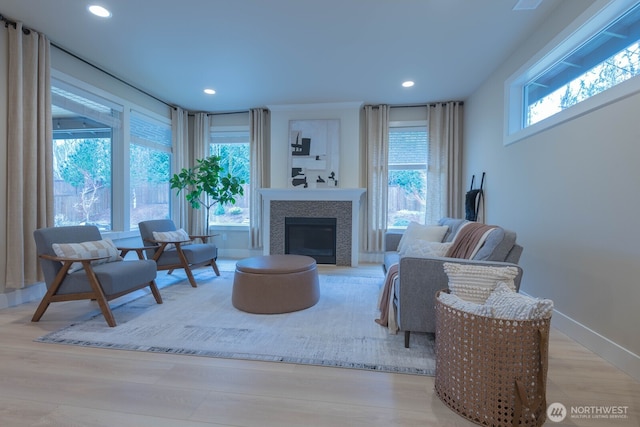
(314, 153)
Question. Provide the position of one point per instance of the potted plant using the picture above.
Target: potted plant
(206, 184)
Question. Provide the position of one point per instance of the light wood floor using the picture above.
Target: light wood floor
(59, 385)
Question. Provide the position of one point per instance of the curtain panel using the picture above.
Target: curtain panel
(199, 150)
(259, 141)
(444, 174)
(180, 135)
(29, 166)
(376, 128)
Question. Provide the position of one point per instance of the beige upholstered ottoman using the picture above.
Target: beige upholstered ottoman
(275, 284)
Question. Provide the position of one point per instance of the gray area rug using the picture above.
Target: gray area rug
(339, 331)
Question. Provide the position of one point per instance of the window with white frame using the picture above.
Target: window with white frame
(149, 168)
(232, 146)
(85, 130)
(596, 58)
(407, 191)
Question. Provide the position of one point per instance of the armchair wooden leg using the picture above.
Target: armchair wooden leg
(215, 267)
(406, 339)
(100, 297)
(185, 266)
(46, 299)
(155, 291)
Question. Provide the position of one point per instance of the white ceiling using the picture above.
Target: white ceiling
(256, 53)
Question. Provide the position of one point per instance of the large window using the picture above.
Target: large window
(85, 128)
(407, 175)
(602, 52)
(233, 147)
(112, 159)
(149, 169)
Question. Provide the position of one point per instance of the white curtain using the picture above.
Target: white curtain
(444, 176)
(180, 129)
(260, 133)
(199, 150)
(29, 167)
(376, 123)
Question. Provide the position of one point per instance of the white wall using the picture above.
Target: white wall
(570, 194)
(349, 115)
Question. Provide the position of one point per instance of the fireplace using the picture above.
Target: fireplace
(343, 204)
(314, 237)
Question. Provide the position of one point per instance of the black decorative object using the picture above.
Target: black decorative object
(473, 199)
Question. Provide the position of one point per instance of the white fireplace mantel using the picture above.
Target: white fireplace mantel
(354, 195)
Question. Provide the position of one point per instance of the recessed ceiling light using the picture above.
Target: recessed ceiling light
(408, 83)
(209, 91)
(99, 11)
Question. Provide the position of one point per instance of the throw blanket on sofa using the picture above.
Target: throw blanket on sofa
(469, 240)
(385, 304)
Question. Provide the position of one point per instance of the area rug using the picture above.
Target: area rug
(339, 331)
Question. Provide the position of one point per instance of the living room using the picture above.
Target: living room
(554, 187)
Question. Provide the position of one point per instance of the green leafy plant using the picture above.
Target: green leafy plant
(207, 184)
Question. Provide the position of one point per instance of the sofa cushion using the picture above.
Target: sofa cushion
(497, 245)
(475, 283)
(454, 225)
(424, 249)
(504, 303)
(431, 233)
(93, 249)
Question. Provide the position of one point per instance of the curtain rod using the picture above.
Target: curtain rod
(431, 104)
(26, 30)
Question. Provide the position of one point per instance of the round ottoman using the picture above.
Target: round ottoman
(273, 284)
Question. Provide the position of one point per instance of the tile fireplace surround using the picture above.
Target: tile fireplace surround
(340, 203)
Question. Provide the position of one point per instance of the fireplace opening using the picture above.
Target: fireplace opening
(314, 237)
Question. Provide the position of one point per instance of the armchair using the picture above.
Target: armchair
(173, 254)
(67, 281)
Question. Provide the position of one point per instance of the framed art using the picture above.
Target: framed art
(314, 153)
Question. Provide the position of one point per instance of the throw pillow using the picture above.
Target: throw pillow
(423, 249)
(474, 282)
(458, 303)
(431, 233)
(507, 304)
(98, 248)
(178, 235)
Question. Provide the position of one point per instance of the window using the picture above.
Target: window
(233, 148)
(599, 55)
(407, 175)
(149, 169)
(85, 128)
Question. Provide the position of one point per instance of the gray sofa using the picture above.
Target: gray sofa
(420, 278)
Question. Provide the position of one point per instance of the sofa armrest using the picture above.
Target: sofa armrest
(392, 240)
(419, 280)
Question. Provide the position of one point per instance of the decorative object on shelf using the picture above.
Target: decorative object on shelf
(314, 153)
(207, 184)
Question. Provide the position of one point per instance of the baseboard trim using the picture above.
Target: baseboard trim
(21, 296)
(615, 354)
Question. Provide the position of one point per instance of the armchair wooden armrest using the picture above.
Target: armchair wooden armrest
(139, 250)
(203, 237)
(71, 260)
(163, 244)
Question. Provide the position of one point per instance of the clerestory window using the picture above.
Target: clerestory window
(600, 55)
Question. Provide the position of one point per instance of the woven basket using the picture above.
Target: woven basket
(492, 371)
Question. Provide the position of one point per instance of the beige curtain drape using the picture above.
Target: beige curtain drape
(444, 176)
(260, 134)
(376, 131)
(29, 166)
(199, 150)
(180, 133)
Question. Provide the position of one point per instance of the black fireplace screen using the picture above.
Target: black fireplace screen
(314, 237)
